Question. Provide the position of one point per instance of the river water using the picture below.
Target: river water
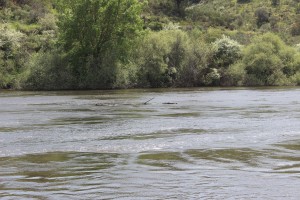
(212, 143)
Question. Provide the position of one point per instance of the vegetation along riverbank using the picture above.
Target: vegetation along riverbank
(104, 44)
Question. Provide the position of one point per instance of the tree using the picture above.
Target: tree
(97, 34)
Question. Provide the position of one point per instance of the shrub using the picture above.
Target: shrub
(212, 78)
(209, 15)
(175, 58)
(3, 3)
(171, 58)
(196, 61)
(297, 47)
(262, 16)
(48, 22)
(235, 75)
(225, 52)
(13, 56)
(296, 78)
(155, 26)
(48, 71)
(243, 1)
(297, 8)
(268, 61)
(275, 2)
(295, 29)
(152, 59)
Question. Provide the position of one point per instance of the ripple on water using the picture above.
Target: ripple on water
(181, 114)
(59, 174)
(79, 120)
(55, 166)
(165, 133)
(291, 146)
(288, 157)
(246, 156)
(166, 160)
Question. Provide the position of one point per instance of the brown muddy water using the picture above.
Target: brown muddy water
(183, 144)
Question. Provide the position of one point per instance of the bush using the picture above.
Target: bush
(275, 2)
(225, 52)
(48, 22)
(295, 29)
(175, 58)
(210, 15)
(243, 1)
(171, 58)
(13, 56)
(3, 3)
(196, 61)
(296, 78)
(262, 16)
(212, 77)
(268, 61)
(48, 71)
(297, 47)
(235, 75)
(152, 59)
(155, 26)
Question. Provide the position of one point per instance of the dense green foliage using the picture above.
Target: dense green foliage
(268, 61)
(97, 36)
(26, 28)
(93, 44)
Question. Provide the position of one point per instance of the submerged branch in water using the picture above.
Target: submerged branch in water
(145, 103)
(149, 100)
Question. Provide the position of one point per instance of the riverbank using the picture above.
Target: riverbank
(161, 44)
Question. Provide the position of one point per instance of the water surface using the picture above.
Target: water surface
(183, 144)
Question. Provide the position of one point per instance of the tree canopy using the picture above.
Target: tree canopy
(98, 31)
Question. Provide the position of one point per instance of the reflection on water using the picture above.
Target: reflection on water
(184, 144)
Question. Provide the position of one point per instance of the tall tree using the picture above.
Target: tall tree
(93, 30)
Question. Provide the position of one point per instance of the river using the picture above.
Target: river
(200, 143)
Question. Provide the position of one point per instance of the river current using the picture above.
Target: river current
(200, 143)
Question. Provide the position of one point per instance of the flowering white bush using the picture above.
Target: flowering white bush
(11, 55)
(10, 38)
(226, 51)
